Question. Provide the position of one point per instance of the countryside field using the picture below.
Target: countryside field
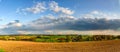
(59, 25)
(92, 46)
(59, 43)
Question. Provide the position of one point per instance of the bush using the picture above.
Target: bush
(102, 37)
(17, 38)
(39, 40)
(39, 36)
(77, 38)
(87, 37)
(50, 40)
(118, 37)
(6, 38)
(68, 38)
(61, 40)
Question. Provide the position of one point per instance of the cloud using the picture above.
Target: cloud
(21, 11)
(68, 22)
(11, 28)
(14, 23)
(99, 14)
(95, 20)
(43, 6)
(1, 19)
(56, 8)
(39, 7)
(95, 12)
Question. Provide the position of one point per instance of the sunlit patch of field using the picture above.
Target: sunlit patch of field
(93, 46)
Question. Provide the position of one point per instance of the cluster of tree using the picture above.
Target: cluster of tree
(80, 38)
(60, 38)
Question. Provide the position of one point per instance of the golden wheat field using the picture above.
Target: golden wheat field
(93, 46)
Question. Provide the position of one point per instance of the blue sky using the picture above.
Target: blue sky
(8, 7)
(27, 11)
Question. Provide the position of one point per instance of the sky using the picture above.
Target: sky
(58, 16)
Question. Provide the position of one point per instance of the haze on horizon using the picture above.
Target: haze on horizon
(60, 17)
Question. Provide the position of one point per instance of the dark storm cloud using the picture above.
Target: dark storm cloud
(92, 24)
(82, 24)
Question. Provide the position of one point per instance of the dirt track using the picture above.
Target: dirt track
(98, 46)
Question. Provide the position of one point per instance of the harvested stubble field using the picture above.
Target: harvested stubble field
(93, 46)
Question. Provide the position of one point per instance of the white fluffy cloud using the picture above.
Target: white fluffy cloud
(99, 14)
(21, 11)
(43, 6)
(55, 7)
(39, 7)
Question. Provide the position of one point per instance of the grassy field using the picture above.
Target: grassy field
(92, 46)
